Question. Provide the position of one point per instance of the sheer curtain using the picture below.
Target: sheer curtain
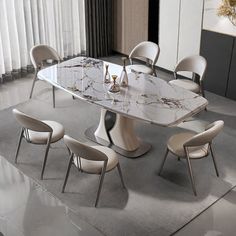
(25, 23)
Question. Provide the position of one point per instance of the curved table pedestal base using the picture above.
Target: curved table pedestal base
(101, 131)
(141, 150)
(123, 135)
(117, 132)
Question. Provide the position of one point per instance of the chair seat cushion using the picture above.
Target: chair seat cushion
(41, 137)
(186, 84)
(95, 167)
(141, 68)
(175, 145)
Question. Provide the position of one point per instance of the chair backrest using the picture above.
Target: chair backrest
(206, 136)
(31, 123)
(196, 64)
(84, 151)
(147, 50)
(40, 53)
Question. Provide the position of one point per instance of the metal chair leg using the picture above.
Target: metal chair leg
(46, 155)
(214, 161)
(77, 162)
(121, 176)
(34, 80)
(154, 71)
(67, 172)
(202, 92)
(202, 89)
(68, 150)
(163, 162)
(80, 164)
(53, 96)
(191, 175)
(19, 143)
(100, 183)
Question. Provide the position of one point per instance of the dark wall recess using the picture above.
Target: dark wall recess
(217, 49)
(153, 21)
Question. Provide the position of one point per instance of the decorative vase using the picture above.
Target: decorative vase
(107, 77)
(124, 75)
(114, 88)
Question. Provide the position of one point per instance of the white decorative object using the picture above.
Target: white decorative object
(124, 75)
(107, 77)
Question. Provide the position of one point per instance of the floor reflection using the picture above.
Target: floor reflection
(28, 210)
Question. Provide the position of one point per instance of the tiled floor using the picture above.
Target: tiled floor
(43, 214)
(218, 220)
(27, 209)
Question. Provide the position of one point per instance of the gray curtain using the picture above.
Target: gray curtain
(99, 30)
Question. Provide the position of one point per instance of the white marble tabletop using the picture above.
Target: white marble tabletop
(147, 98)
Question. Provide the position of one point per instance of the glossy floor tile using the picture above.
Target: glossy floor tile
(13, 92)
(28, 210)
(218, 220)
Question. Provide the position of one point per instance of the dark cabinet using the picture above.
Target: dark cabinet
(231, 90)
(221, 71)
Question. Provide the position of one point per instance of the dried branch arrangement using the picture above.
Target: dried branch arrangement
(228, 9)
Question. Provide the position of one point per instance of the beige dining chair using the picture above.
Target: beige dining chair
(194, 146)
(39, 132)
(195, 64)
(92, 160)
(39, 55)
(145, 50)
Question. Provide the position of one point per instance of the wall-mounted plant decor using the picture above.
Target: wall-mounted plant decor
(228, 9)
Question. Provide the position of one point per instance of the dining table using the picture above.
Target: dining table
(147, 99)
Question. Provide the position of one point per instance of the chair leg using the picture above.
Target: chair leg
(202, 92)
(100, 185)
(68, 150)
(67, 172)
(19, 143)
(77, 162)
(80, 164)
(154, 72)
(191, 176)
(46, 156)
(163, 162)
(121, 176)
(53, 96)
(34, 80)
(214, 161)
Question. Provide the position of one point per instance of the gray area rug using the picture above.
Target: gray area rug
(151, 205)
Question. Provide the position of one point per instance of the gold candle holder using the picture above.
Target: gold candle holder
(114, 88)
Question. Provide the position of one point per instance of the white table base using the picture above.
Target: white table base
(123, 134)
(121, 138)
(101, 131)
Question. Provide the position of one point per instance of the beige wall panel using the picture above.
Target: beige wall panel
(130, 24)
(118, 26)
